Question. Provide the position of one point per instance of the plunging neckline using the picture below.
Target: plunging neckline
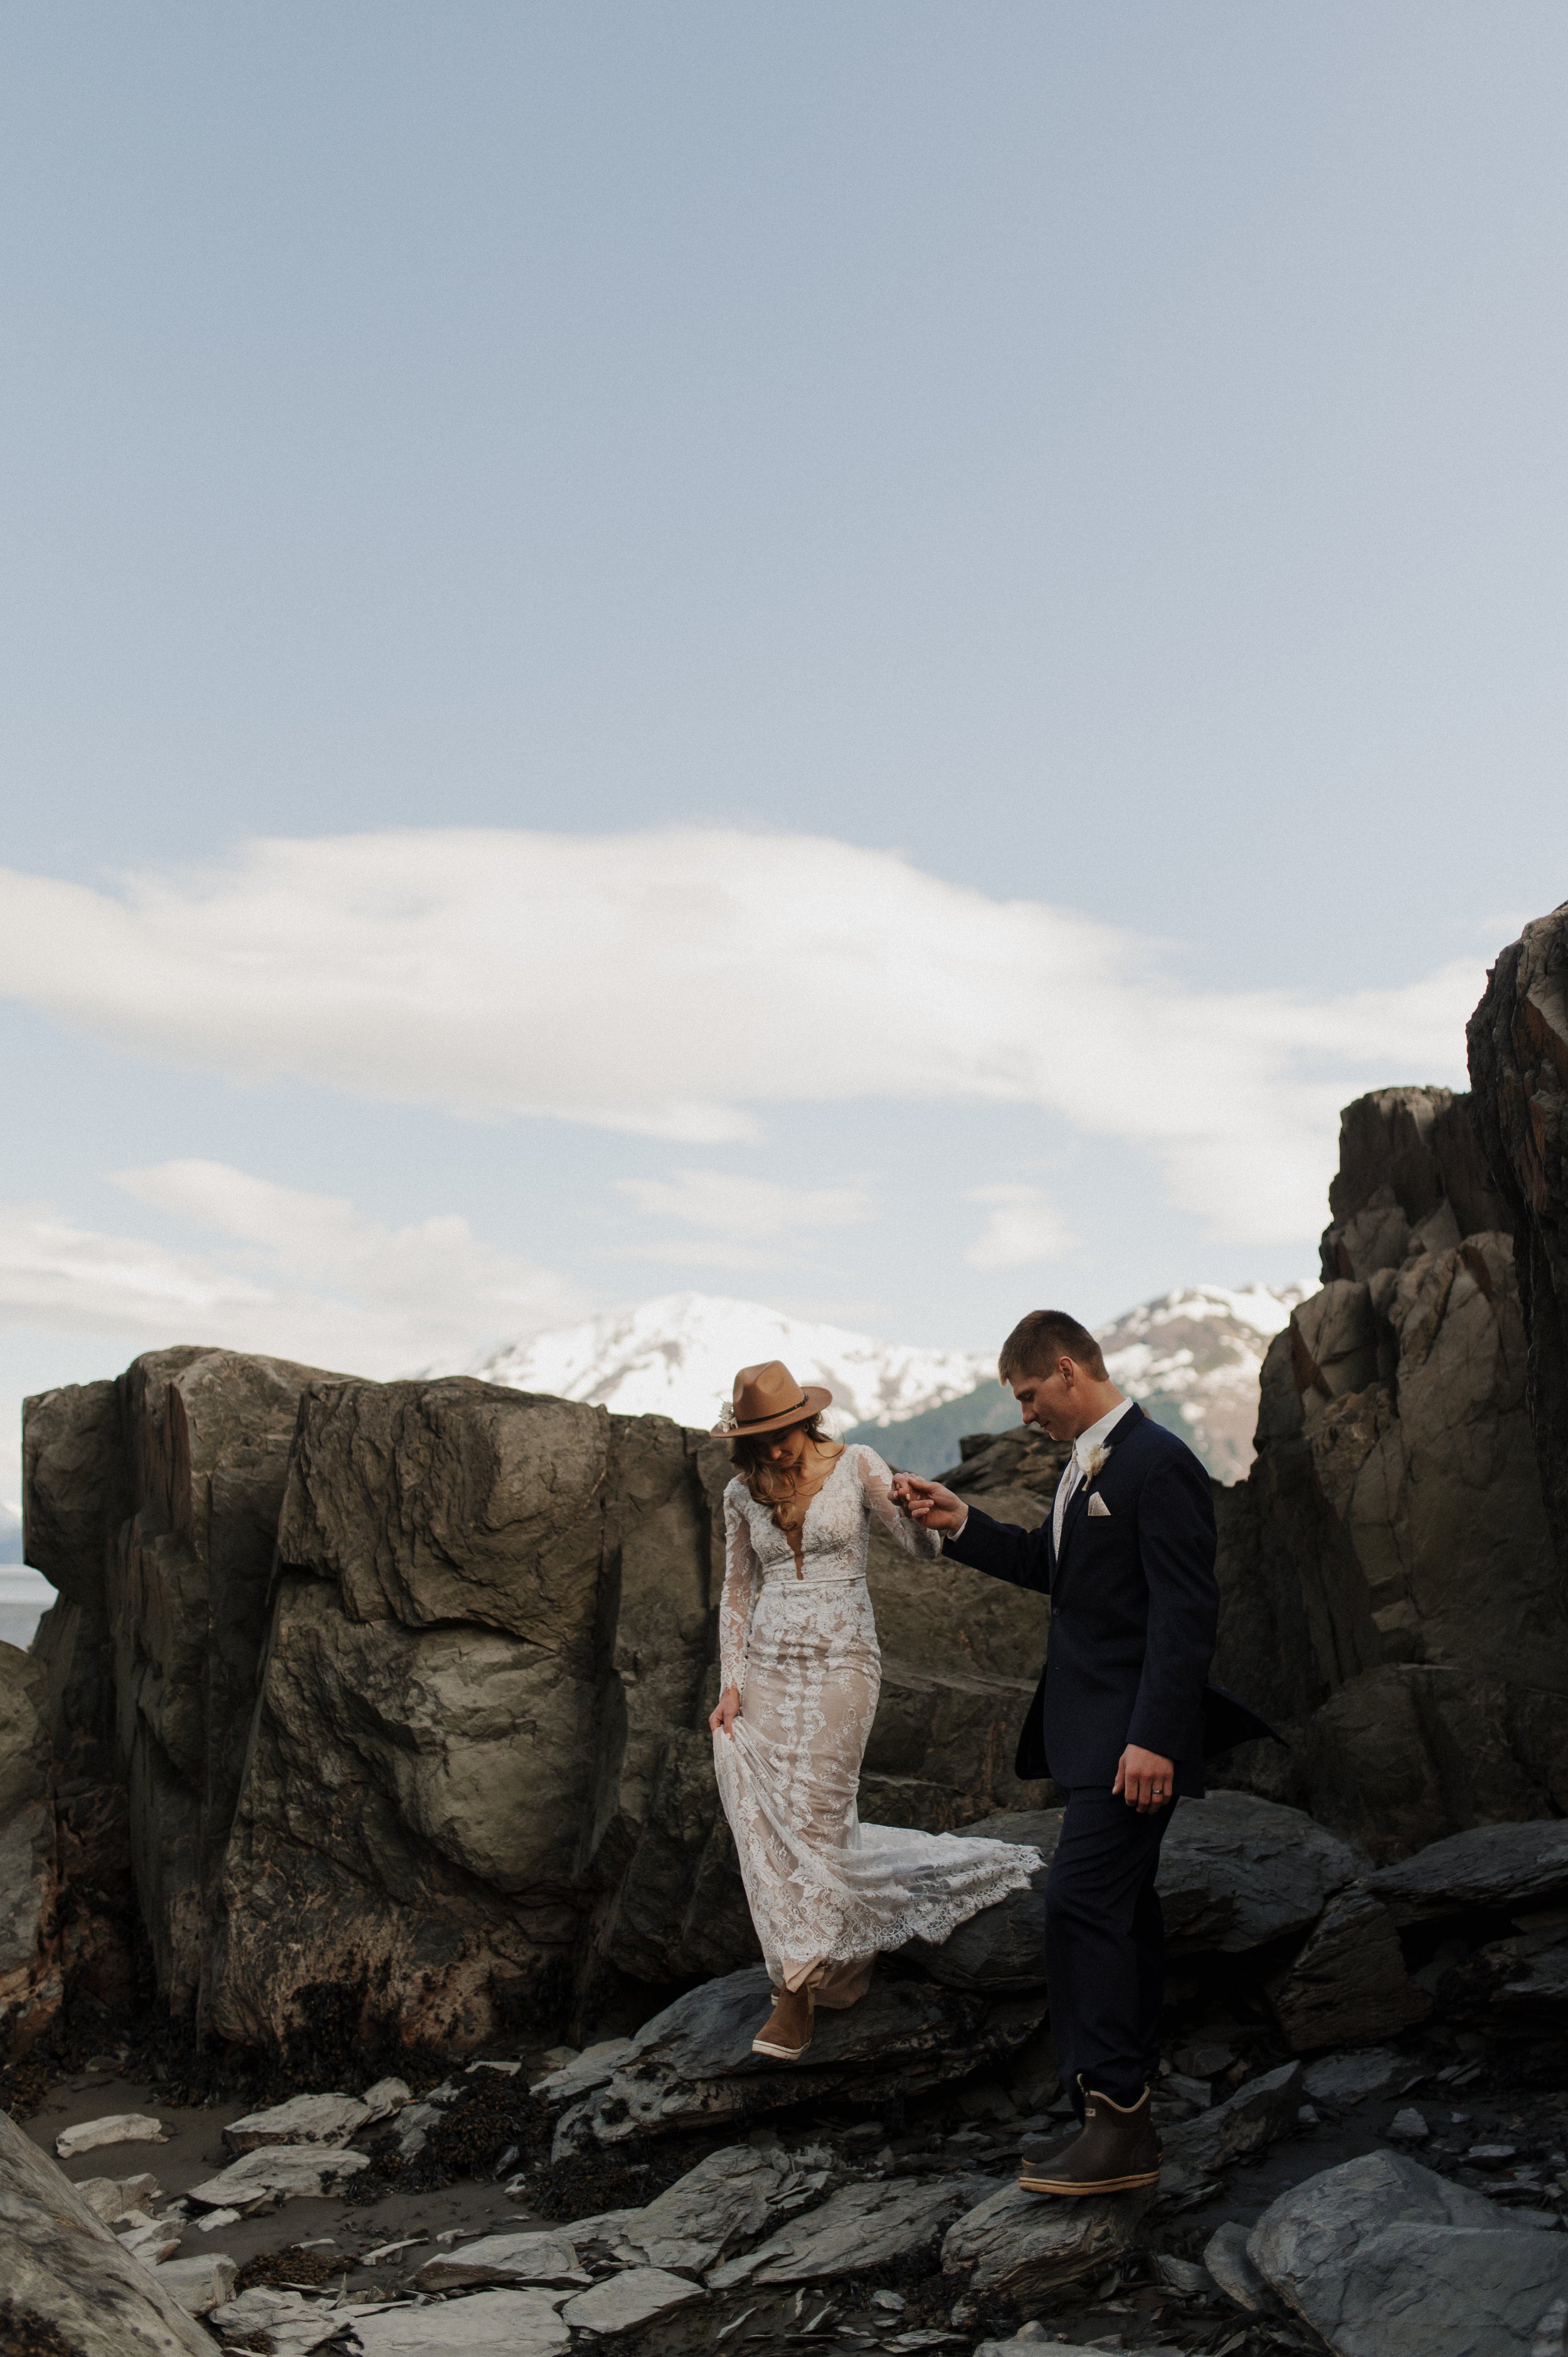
(824, 1486)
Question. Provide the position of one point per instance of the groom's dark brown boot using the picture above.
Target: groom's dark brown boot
(1116, 2151)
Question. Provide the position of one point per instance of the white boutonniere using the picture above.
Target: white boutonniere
(1094, 1461)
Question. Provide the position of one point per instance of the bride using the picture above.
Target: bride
(801, 1673)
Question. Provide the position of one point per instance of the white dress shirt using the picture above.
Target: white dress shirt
(1084, 1447)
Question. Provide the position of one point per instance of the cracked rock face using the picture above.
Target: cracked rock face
(1384, 2258)
(63, 2265)
(1389, 1585)
(1519, 1069)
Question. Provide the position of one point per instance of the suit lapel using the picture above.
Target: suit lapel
(1078, 1504)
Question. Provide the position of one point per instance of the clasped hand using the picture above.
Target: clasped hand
(928, 1503)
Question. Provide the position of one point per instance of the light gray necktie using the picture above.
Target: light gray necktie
(1065, 1489)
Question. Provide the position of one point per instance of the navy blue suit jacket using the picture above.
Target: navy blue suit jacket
(1134, 1613)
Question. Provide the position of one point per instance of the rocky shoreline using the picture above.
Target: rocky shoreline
(360, 1770)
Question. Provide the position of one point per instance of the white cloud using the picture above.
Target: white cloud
(1024, 1227)
(674, 983)
(745, 1222)
(316, 1281)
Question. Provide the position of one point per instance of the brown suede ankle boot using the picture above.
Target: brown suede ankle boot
(1116, 2150)
(787, 2032)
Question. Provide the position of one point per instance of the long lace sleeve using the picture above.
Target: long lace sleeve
(742, 1578)
(877, 1482)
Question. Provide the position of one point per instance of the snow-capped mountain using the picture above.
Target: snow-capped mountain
(1192, 1357)
(1199, 1352)
(677, 1355)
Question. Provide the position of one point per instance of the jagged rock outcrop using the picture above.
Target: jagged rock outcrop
(402, 1689)
(1389, 1593)
(66, 2273)
(151, 1504)
(30, 1985)
(1518, 1070)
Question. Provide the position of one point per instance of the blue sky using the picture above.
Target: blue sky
(875, 653)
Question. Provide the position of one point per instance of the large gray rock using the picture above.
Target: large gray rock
(31, 1980)
(1500, 1868)
(1518, 1068)
(693, 2066)
(65, 2268)
(1349, 1984)
(1387, 1577)
(1236, 1872)
(868, 2225)
(1021, 2246)
(1384, 2258)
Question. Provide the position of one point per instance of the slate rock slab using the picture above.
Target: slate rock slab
(1496, 1866)
(304, 2119)
(1346, 2078)
(292, 2324)
(1349, 1984)
(625, 2302)
(593, 2067)
(1384, 2258)
(62, 2262)
(865, 2225)
(481, 2324)
(197, 2285)
(1237, 1872)
(1226, 2256)
(729, 2198)
(1447, 2291)
(1030, 2345)
(1024, 2244)
(115, 2127)
(110, 2198)
(693, 2066)
(523, 2258)
(277, 2172)
(1258, 2112)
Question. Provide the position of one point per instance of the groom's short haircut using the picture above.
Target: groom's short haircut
(1038, 1341)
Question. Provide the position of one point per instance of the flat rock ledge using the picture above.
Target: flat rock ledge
(1025, 2244)
(692, 2066)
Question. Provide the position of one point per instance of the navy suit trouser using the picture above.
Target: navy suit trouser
(1105, 1945)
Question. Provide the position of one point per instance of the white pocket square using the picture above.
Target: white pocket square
(1096, 1504)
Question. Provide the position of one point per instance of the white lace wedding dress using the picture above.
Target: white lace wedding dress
(798, 1641)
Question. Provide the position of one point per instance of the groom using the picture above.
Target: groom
(1121, 1718)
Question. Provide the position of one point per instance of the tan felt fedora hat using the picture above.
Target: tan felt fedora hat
(766, 1397)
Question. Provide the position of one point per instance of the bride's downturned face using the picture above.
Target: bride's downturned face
(788, 1448)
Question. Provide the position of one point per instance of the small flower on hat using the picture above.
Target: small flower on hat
(727, 1416)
